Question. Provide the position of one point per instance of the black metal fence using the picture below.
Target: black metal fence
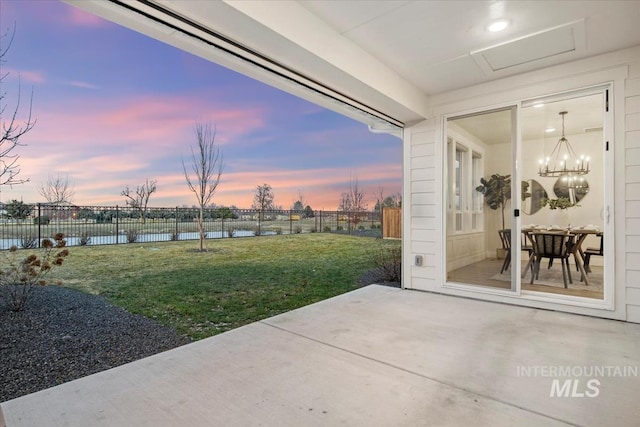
(104, 225)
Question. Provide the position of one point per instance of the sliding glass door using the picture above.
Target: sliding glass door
(526, 205)
(480, 230)
(564, 152)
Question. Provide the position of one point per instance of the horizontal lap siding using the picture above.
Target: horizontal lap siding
(632, 192)
(424, 206)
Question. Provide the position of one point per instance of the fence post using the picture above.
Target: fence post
(177, 231)
(222, 224)
(117, 225)
(320, 230)
(290, 223)
(349, 222)
(39, 225)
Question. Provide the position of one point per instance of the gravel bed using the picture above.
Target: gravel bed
(64, 334)
(376, 277)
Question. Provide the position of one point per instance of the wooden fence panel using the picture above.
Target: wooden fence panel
(391, 223)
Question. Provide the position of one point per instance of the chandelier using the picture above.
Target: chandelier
(563, 160)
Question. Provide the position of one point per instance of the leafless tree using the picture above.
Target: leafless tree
(206, 170)
(379, 198)
(356, 196)
(13, 128)
(263, 200)
(140, 198)
(353, 201)
(344, 204)
(57, 189)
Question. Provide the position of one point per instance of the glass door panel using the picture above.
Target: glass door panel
(479, 162)
(563, 168)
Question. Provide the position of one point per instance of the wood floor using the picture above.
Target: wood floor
(484, 274)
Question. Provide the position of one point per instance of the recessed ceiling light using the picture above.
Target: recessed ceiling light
(498, 25)
(549, 130)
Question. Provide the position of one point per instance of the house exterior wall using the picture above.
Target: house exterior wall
(423, 181)
(632, 192)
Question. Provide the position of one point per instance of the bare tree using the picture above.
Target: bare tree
(206, 166)
(263, 200)
(12, 129)
(57, 189)
(379, 198)
(356, 196)
(140, 198)
(344, 204)
(353, 201)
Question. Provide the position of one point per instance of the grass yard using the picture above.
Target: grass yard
(237, 281)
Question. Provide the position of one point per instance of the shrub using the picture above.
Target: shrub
(314, 230)
(256, 231)
(278, 230)
(19, 275)
(388, 260)
(85, 238)
(132, 235)
(327, 229)
(231, 232)
(361, 227)
(28, 241)
(175, 236)
(339, 228)
(297, 230)
(42, 220)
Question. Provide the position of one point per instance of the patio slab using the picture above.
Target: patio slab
(376, 356)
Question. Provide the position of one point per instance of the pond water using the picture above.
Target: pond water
(142, 238)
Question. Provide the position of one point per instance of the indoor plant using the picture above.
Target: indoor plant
(497, 191)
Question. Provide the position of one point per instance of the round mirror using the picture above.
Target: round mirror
(533, 194)
(576, 192)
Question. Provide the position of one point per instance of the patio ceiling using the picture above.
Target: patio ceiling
(384, 58)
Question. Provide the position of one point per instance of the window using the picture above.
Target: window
(464, 204)
(476, 197)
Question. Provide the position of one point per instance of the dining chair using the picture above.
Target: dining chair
(551, 245)
(505, 238)
(593, 251)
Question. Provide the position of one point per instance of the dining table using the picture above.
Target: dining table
(578, 236)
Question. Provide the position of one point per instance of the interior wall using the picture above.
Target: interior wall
(497, 161)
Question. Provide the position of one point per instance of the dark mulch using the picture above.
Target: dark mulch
(63, 334)
(376, 277)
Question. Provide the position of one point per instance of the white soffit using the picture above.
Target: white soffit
(543, 48)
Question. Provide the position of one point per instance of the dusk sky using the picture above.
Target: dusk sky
(114, 107)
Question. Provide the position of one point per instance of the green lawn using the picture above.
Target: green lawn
(237, 281)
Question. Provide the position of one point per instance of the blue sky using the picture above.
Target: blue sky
(114, 108)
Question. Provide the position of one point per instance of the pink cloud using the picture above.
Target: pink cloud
(81, 18)
(162, 121)
(25, 76)
(82, 85)
(100, 185)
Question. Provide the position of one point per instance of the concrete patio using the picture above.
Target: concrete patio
(376, 356)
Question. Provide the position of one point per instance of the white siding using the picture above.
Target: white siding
(632, 192)
(424, 207)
